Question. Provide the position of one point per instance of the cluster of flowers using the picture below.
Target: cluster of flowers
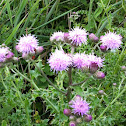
(60, 61)
(79, 112)
(6, 55)
(28, 46)
(77, 36)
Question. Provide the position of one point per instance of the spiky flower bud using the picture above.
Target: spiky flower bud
(87, 118)
(123, 68)
(101, 92)
(93, 67)
(79, 120)
(77, 97)
(39, 49)
(72, 118)
(67, 112)
(93, 37)
(103, 48)
(114, 84)
(99, 75)
(72, 123)
(25, 56)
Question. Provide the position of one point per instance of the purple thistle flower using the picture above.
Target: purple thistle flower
(78, 36)
(5, 53)
(59, 61)
(94, 59)
(111, 40)
(80, 60)
(27, 44)
(57, 37)
(80, 107)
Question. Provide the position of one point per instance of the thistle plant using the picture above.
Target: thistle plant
(77, 110)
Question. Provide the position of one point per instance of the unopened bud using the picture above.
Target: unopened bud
(72, 118)
(77, 97)
(114, 84)
(79, 120)
(93, 67)
(123, 68)
(73, 12)
(93, 37)
(66, 37)
(25, 56)
(103, 48)
(85, 69)
(72, 123)
(87, 118)
(67, 112)
(99, 75)
(9, 55)
(39, 49)
(17, 47)
(101, 92)
(15, 59)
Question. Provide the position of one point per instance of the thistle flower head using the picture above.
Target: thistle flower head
(94, 59)
(80, 107)
(111, 40)
(59, 61)
(78, 36)
(27, 44)
(57, 36)
(5, 53)
(80, 60)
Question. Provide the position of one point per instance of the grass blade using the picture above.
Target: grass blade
(106, 21)
(9, 11)
(54, 19)
(52, 10)
(18, 14)
(29, 16)
(14, 31)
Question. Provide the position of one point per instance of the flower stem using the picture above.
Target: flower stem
(70, 77)
(44, 75)
(112, 102)
(31, 81)
(3, 83)
(26, 109)
(76, 84)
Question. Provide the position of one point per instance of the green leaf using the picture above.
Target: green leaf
(14, 31)
(4, 123)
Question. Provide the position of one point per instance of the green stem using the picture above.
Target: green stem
(17, 92)
(70, 77)
(31, 81)
(3, 83)
(89, 14)
(76, 84)
(112, 103)
(26, 108)
(106, 13)
(44, 75)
